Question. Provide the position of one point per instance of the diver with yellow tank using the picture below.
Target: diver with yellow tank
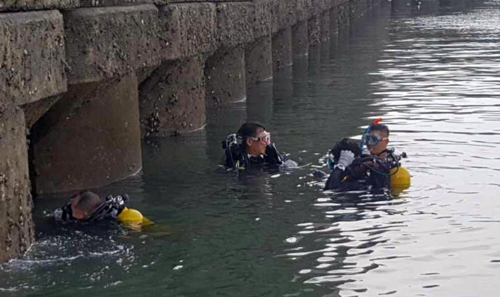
(368, 164)
(87, 206)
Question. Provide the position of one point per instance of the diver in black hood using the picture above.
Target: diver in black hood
(356, 167)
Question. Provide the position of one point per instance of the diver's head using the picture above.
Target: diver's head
(378, 139)
(255, 138)
(84, 204)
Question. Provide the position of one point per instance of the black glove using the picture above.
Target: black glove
(272, 155)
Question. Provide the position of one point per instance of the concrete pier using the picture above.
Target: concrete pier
(82, 82)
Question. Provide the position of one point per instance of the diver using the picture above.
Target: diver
(87, 206)
(250, 147)
(369, 164)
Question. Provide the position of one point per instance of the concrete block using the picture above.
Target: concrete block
(282, 49)
(108, 42)
(225, 77)
(304, 10)
(172, 99)
(35, 110)
(262, 18)
(300, 39)
(259, 61)
(324, 25)
(89, 138)
(319, 6)
(27, 5)
(16, 224)
(187, 30)
(284, 14)
(234, 23)
(31, 56)
(314, 30)
(334, 19)
(357, 9)
(343, 16)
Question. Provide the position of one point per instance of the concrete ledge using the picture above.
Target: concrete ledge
(262, 19)
(319, 6)
(31, 56)
(27, 5)
(304, 10)
(284, 14)
(234, 24)
(114, 41)
(187, 30)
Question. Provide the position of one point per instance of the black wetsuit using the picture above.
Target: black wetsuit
(237, 158)
(110, 208)
(365, 172)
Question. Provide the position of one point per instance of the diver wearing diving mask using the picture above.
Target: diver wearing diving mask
(251, 146)
(366, 164)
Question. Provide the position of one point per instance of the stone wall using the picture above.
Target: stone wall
(82, 81)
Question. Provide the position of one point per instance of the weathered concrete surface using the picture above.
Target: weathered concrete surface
(109, 42)
(262, 18)
(34, 111)
(284, 14)
(324, 26)
(300, 39)
(314, 30)
(343, 15)
(16, 225)
(259, 61)
(334, 20)
(357, 8)
(31, 68)
(187, 30)
(304, 10)
(234, 24)
(90, 138)
(172, 99)
(282, 49)
(25, 5)
(225, 77)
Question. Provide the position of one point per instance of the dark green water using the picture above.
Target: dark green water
(431, 73)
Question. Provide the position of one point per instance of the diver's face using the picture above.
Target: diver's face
(257, 145)
(377, 142)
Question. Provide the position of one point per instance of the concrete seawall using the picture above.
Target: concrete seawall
(82, 81)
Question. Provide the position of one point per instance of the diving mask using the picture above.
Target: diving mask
(372, 139)
(264, 137)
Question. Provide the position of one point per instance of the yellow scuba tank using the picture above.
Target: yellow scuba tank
(400, 178)
(130, 216)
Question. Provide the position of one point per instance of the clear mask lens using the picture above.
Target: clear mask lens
(372, 139)
(264, 137)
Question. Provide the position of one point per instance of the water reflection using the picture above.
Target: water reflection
(436, 84)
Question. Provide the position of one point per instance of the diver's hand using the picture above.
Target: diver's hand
(272, 155)
(345, 159)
